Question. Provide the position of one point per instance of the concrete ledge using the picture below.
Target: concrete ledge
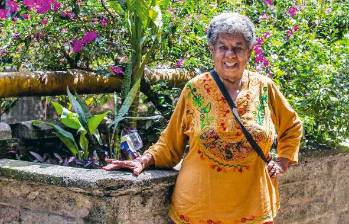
(43, 193)
(315, 191)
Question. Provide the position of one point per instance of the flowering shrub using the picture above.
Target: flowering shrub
(303, 47)
(54, 35)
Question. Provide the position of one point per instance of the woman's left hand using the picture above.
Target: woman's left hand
(277, 168)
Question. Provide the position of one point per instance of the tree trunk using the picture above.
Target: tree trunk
(16, 84)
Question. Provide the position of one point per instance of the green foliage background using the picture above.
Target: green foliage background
(310, 65)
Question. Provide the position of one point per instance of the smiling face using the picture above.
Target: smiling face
(230, 54)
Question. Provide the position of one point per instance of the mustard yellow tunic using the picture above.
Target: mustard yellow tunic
(222, 179)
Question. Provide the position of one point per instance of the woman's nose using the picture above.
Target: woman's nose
(230, 53)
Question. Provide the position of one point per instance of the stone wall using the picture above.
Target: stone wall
(25, 109)
(41, 193)
(316, 191)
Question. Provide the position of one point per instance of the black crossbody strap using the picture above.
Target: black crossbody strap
(231, 103)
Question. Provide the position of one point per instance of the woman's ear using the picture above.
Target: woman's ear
(249, 53)
(250, 50)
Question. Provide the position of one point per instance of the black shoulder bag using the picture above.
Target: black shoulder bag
(233, 108)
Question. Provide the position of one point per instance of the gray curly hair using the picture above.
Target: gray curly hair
(232, 23)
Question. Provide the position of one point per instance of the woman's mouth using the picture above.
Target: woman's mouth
(230, 64)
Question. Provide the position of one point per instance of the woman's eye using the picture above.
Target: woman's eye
(223, 48)
(238, 49)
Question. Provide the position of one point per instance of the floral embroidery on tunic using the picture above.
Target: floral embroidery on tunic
(254, 219)
(263, 102)
(201, 106)
(184, 219)
(222, 152)
(210, 221)
(221, 138)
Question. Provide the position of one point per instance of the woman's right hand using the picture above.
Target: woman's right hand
(136, 166)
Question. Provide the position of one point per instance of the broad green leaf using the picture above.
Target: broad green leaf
(78, 108)
(72, 123)
(58, 107)
(98, 137)
(83, 105)
(83, 141)
(94, 121)
(82, 130)
(118, 6)
(140, 9)
(127, 102)
(70, 119)
(116, 103)
(156, 16)
(66, 137)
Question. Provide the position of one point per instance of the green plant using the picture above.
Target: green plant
(143, 20)
(79, 123)
(302, 45)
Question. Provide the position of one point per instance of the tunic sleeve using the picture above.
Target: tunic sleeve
(288, 125)
(168, 150)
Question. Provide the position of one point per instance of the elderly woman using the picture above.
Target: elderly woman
(222, 178)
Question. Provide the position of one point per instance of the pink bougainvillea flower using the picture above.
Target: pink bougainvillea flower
(26, 16)
(328, 10)
(44, 21)
(64, 14)
(266, 35)
(30, 3)
(89, 36)
(3, 52)
(104, 22)
(71, 15)
(77, 45)
(266, 62)
(68, 14)
(264, 16)
(292, 11)
(289, 33)
(16, 36)
(259, 40)
(43, 7)
(295, 28)
(179, 63)
(259, 59)
(94, 20)
(3, 13)
(56, 6)
(12, 6)
(39, 36)
(268, 2)
(116, 70)
(258, 50)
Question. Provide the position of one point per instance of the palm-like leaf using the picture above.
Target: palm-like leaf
(94, 121)
(127, 102)
(68, 118)
(79, 109)
(58, 107)
(66, 137)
